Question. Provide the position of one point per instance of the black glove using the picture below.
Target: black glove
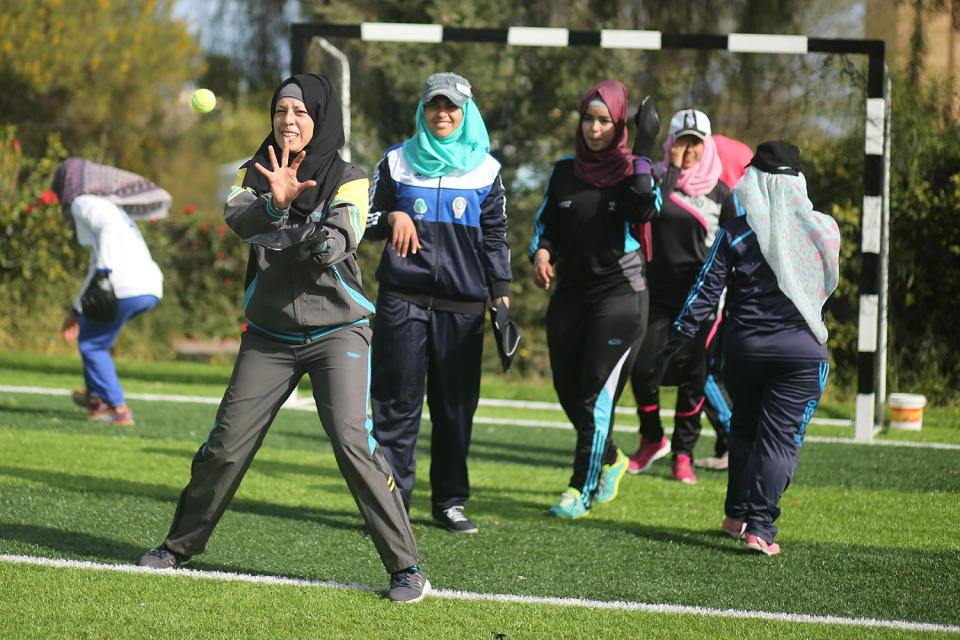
(647, 120)
(99, 302)
(675, 343)
(506, 334)
(312, 249)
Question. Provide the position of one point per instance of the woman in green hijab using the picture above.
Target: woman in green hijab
(439, 199)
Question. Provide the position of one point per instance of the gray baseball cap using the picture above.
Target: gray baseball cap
(448, 84)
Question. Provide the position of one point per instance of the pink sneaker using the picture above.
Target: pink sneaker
(93, 404)
(734, 528)
(647, 453)
(683, 470)
(756, 543)
(114, 415)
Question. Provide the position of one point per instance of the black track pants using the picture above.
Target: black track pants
(590, 357)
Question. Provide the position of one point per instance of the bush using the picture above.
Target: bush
(42, 268)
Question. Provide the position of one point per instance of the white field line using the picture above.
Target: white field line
(306, 404)
(491, 597)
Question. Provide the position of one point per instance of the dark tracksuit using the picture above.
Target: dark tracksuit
(598, 309)
(307, 314)
(774, 368)
(681, 239)
(430, 315)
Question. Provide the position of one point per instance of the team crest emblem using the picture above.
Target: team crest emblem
(459, 206)
(420, 206)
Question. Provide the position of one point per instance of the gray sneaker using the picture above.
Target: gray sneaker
(163, 558)
(409, 585)
(716, 463)
(452, 519)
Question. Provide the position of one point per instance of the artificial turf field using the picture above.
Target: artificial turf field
(869, 535)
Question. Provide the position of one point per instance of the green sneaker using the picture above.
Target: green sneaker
(570, 505)
(610, 477)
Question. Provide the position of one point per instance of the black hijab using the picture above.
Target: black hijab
(322, 162)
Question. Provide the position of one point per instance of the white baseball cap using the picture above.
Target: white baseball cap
(690, 122)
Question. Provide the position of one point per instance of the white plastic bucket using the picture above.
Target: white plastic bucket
(906, 411)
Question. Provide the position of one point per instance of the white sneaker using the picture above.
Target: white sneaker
(713, 462)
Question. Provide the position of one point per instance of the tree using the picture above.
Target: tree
(103, 74)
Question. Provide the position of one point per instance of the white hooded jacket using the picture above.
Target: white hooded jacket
(116, 246)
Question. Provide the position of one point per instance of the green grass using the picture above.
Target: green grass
(868, 532)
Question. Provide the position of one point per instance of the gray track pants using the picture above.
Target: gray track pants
(264, 375)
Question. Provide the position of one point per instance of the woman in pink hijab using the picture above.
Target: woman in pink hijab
(695, 203)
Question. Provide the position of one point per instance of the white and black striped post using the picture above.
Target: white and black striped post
(874, 221)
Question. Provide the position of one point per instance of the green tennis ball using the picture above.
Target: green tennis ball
(203, 101)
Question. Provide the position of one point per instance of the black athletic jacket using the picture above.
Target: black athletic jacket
(682, 237)
(586, 229)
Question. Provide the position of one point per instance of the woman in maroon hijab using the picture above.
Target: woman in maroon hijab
(598, 308)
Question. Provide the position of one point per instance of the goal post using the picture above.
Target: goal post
(875, 213)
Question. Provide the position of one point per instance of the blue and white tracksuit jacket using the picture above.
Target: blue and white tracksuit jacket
(461, 222)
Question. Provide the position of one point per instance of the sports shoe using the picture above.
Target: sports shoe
(610, 476)
(717, 463)
(756, 543)
(452, 519)
(647, 453)
(682, 470)
(733, 527)
(93, 404)
(409, 585)
(163, 558)
(570, 505)
(114, 415)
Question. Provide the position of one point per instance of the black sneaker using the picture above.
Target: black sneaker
(452, 519)
(163, 558)
(409, 585)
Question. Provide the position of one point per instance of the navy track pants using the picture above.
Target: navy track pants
(415, 347)
(773, 401)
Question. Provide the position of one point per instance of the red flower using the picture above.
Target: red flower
(16, 145)
(204, 228)
(197, 244)
(227, 282)
(243, 328)
(219, 255)
(48, 197)
(190, 208)
(222, 230)
(28, 209)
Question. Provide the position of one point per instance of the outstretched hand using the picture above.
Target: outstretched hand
(284, 183)
(647, 120)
